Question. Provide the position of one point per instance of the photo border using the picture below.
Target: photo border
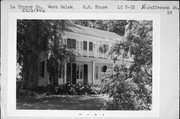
(11, 87)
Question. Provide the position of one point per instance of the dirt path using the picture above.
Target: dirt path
(62, 102)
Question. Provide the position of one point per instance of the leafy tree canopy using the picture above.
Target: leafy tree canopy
(132, 90)
(39, 38)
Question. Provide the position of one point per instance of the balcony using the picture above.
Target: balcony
(92, 54)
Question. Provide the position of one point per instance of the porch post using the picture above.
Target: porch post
(58, 75)
(65, 72)
(93, 71)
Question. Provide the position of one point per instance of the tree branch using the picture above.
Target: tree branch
(147, 72)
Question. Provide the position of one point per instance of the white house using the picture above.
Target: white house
(91, 64)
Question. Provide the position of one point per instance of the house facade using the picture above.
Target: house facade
(91, 64)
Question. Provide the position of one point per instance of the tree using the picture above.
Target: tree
(37, 37)
(132, 91)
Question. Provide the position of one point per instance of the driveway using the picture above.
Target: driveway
(64, 102)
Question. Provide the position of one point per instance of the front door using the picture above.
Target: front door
(74, 73)
(68, 73)
(85, 73)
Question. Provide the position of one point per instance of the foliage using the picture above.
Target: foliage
(127, 93)
(73, 89)
(139, 43)
(36, 37)
(103, 48)
(62, 55)
(132, 91)
(63, 89)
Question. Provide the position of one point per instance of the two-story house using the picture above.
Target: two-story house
(91, 64)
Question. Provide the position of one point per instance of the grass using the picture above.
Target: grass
(65, 102)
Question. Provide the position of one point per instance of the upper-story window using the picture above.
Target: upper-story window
(71, 43)
(77, 45)
(103, 48)
(94, 46)
(64, 41)
(90, 46)
(81, 45)
(84, 45)
(103, 69)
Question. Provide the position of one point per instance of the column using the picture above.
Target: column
(58, 75)
(87, 49)
(93, 71)
(65, 72)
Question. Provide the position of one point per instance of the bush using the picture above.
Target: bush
(25, 95)
(73, 89)
(40, 89)
(19, 85)
(127, 93)
(63, 89)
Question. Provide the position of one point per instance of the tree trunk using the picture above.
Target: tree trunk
(30, 73)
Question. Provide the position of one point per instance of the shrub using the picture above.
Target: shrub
(73, 89)
(25, 95)
(127, 93)
(19, 85)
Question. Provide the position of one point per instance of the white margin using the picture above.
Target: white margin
(11, 98)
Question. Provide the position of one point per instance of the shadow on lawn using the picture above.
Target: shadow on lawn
(65, 102)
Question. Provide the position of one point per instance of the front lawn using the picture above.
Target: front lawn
(65, 102)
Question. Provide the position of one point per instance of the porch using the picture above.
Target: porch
(85, 71)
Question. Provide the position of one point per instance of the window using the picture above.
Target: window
(77, 45)
(71, 43)
(103, 48)
(84, 45)
(79, 72)
(96, 72)
(94, 46)
(90, 46)
(60, 72)
(103, 69)
(41, 68)
(64, 41)
(81, 45)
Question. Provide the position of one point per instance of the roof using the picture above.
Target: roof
(95, 32)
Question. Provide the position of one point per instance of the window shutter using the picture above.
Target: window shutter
(73, 44)
(77, 45)
(90, 46)
(96, 71)
(84, 45)
(69, 43)
(81, 45)
(41, 68)
(64, 41)
(43, 65)
(59, 71)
